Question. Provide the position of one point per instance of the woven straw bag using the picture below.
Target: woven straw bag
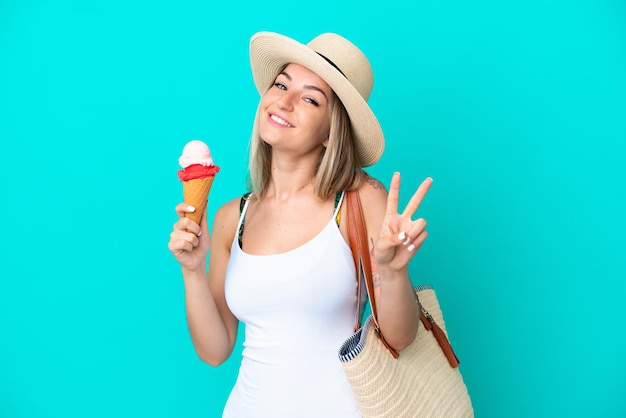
(423, 380)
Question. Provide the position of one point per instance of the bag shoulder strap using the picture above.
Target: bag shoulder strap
(357, 235)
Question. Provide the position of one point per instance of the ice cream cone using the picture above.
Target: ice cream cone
(196, 193)
(197, 175)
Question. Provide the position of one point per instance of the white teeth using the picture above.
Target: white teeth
(280, 121)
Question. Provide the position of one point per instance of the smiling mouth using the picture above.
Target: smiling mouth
(281, 121)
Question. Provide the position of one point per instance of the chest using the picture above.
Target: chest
(278, 229)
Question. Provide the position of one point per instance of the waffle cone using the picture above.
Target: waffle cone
(196, 193)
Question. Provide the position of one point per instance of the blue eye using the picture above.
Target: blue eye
(280, 86)
(313, 102)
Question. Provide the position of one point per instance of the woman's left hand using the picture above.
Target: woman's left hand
(400, 237)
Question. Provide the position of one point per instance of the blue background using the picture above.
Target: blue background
(516, 109)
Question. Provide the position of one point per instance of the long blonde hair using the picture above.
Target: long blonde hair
(338, 167)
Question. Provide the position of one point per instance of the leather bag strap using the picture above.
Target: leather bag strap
(353, 240)
(357, 236)
(430, 324)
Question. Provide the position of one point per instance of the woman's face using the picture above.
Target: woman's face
(295, 112)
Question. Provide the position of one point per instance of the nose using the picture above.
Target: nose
(285, 101)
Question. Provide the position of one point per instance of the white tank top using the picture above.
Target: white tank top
(298, 308)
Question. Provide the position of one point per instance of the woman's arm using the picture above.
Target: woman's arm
(212, 326)
(396, 239)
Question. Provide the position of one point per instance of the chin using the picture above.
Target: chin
(267, 135)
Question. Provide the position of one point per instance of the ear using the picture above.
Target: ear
(325, 143)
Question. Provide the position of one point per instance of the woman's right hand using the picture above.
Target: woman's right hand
(189, 242)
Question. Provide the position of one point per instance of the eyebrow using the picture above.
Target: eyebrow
(306, 86)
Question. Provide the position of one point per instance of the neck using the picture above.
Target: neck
(289, 179)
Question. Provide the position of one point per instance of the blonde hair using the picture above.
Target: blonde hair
(338, 167)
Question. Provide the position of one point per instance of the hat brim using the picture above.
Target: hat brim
(270, 52)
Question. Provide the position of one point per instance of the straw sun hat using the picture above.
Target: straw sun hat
(340, 64)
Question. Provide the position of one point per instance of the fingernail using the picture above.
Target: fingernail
(406, 241)
(199, 233)
(411, 247)
(401, 236)
(191, 208)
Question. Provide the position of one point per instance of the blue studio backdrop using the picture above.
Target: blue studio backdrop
(517, 110)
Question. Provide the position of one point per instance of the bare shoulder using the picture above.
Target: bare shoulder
(225, 222)
(229, 210)
(372, 191)
(371, 183)
(373, 196)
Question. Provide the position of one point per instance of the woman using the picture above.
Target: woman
(279, 258)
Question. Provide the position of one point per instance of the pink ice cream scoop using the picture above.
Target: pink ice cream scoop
(197, 176)
(195, 152)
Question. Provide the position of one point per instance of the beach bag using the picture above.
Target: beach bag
(422, 380)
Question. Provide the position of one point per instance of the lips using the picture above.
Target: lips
(280, 121)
